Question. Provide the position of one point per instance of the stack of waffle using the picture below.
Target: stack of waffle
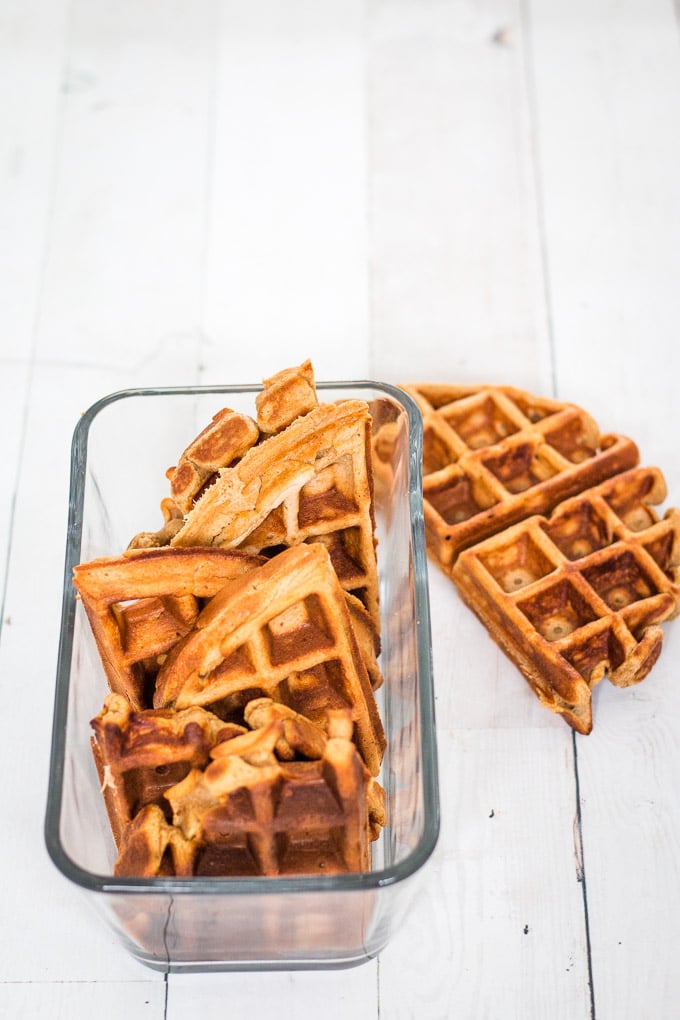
(240, 643)
(548, 530)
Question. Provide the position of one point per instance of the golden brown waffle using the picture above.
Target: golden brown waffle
(141, 603)
(283, 630)
(152, 846)
(312, 482)
(249, 813)
(494, 455)
(286, 396)
(580, 595)
(139, 755)
(228, 436)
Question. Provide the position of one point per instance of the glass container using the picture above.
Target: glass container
(121, 448)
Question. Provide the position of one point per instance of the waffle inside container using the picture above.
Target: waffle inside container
(121, 448)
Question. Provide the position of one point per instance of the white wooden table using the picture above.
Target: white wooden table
(204, 191)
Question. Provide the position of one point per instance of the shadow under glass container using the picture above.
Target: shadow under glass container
(121, 448)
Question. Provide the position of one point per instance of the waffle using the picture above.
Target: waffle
(283, 630)
(495, 455)
(151, 846)
(580, 594)
(141, 754)
(250, 813)
(141, 603)
(312, 482)
(285, 396)
(228, 436)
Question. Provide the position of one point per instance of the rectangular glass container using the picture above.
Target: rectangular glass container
(121, 449)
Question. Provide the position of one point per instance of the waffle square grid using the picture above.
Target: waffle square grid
(580, 594)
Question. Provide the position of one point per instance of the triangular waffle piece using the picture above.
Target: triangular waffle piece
(580, 595)
(494, 455)
(286, 396)
(141, 603)
(139, 755)
(312, 482)
(283, 630)
(228, 436)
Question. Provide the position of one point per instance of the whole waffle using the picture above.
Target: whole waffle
(548, 530)
(282, 630)
(493, 455)
(253, 812)
(580, 594)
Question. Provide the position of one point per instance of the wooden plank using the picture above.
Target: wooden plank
(13, 399)
(31, 65)
(456, 285)
(606, 85)
(498, 933)
(607, 99)
(458, 295)
(64, 1000)
(630, 769)
(31, 57)
(334, 994)
(286, 271)
(123, 276)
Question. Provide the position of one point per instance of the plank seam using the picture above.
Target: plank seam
(581, 873)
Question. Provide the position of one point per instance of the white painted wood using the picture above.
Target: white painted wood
(31, 56)
(498, 934)
(63, 1000)
(13, 396)
(607, 95)
(286, 267)
(607, 98)
(630, 773)
(123, 272)
(456, 280)
(334, 995)
(31, 66)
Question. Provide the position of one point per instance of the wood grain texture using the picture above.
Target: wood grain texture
(123, 274)
(62, 1000)
(457, 279)
(606, 89)
(287, 249)
(333, 994)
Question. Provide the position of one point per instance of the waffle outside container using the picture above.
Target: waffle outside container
(121, 449)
